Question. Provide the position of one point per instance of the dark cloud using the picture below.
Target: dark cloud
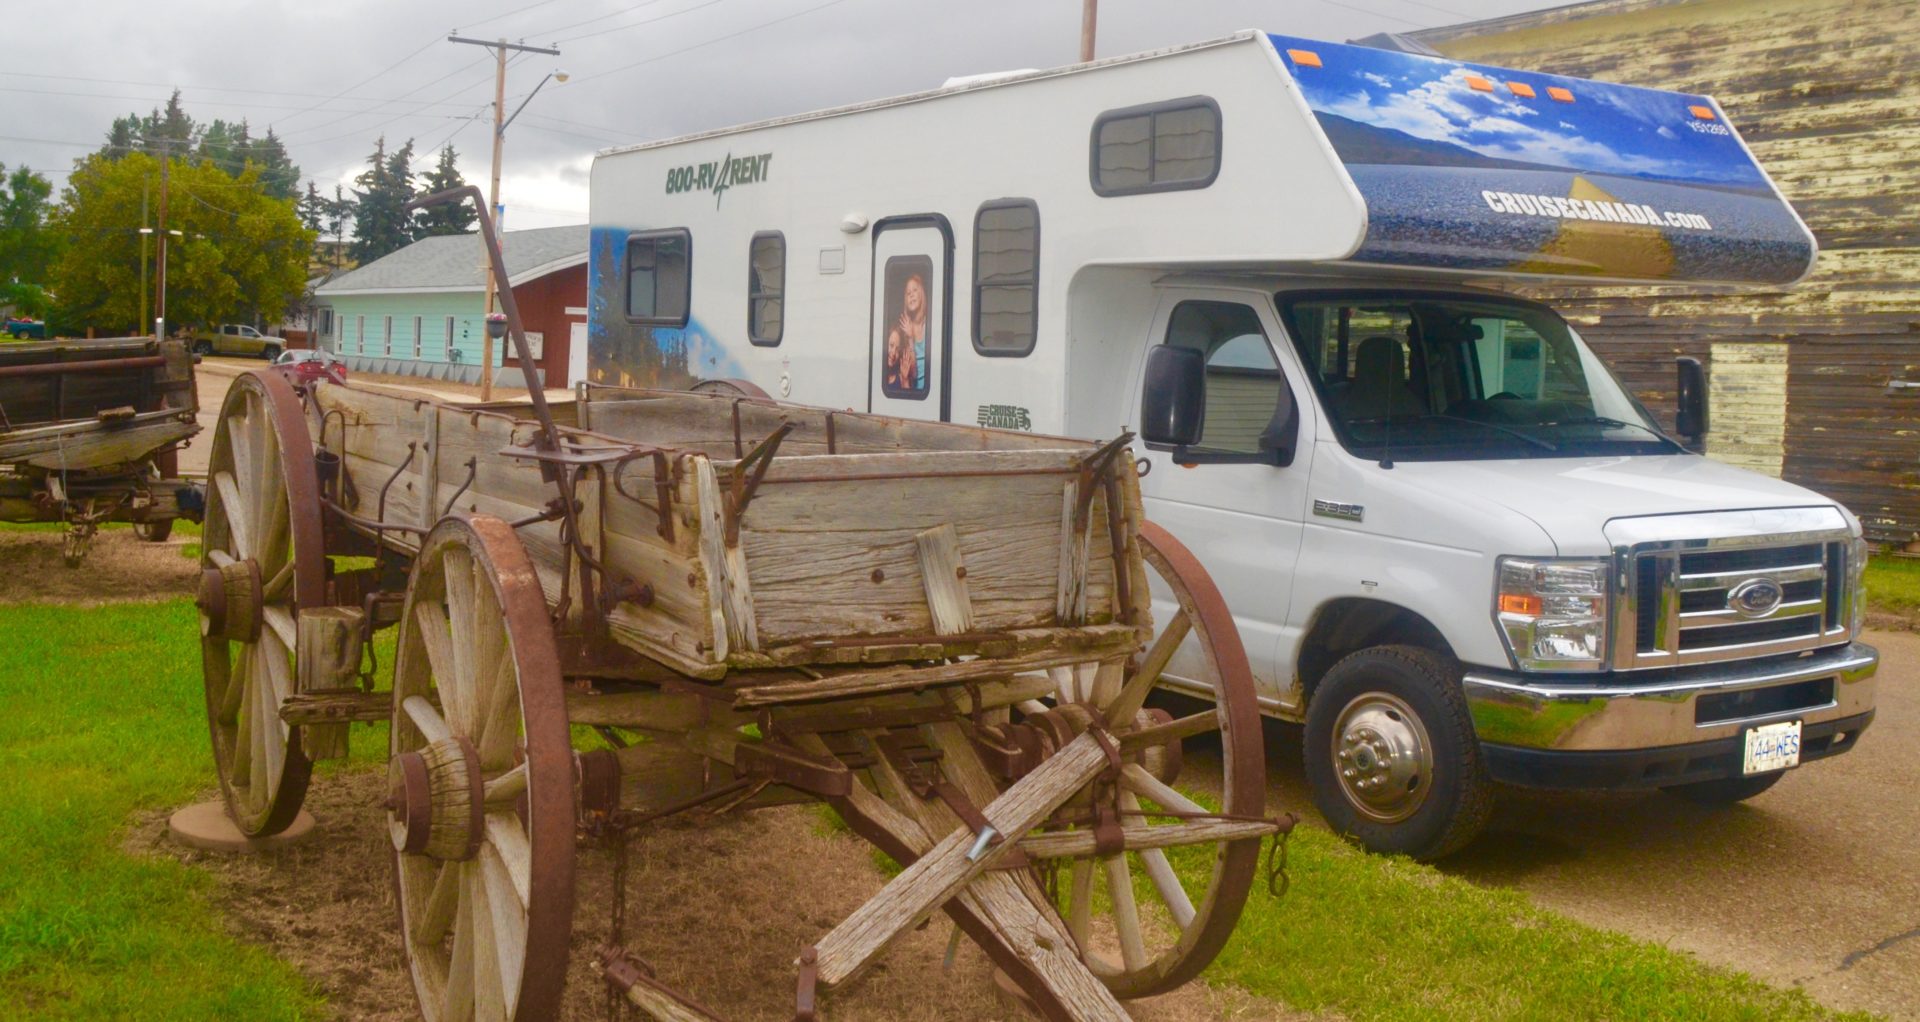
(693, 65)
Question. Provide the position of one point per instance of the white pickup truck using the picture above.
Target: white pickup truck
(1456, 548)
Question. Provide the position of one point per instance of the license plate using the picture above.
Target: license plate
(1772, 747)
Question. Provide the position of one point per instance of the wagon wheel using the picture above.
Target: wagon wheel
(1147, 938)
(263, 560)
(481, 781)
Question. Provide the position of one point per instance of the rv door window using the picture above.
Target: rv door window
(766, 288)
(1156, 148)
(1243, 378)
(659, 277)
(1006, 273)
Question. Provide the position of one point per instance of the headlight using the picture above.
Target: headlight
(1553, 612)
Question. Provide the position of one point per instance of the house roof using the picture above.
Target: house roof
(452, 262)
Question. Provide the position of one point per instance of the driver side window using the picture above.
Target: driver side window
(1243, 380)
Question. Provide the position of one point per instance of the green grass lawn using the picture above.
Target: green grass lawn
(1893, 584)
(100, 718)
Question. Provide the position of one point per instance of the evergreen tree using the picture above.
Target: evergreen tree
(381, 221)
(339, 214)
(279, 175)
(452, 217)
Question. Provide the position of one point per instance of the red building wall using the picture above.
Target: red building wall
(543, 309)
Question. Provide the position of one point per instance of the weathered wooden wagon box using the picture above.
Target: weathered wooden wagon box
(744, 534)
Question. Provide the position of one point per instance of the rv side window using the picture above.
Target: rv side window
(1157, 148)
(766, 288)
(1243, 376)
(1006, 273)
(659, 277)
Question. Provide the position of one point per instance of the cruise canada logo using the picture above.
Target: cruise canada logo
(717, 176)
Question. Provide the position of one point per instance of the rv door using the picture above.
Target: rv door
(909, 347)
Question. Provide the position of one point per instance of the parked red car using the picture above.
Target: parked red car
(310, 365)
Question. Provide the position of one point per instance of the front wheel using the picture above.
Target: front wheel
(155, 531)
(1391, 753)
(202, 348)
(270, 352)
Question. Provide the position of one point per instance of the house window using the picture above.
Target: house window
(659, 277)
(1006, 274)
(453, 354)
(326, 324)
(360, 333)
(416, 336)
(766, 288)
(387, 337)
(1157, 148)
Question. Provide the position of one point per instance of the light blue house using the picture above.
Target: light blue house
(421, 311)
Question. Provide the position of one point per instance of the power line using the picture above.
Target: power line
(409, 92)
(509, 14)
(720, 39)
(192, 88)
(636, 24)
(604, 17)
(198, 102)
(369, 79)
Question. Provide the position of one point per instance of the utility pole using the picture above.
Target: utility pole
(1089, 14)
(500, 48)
(145, 187)
(160, 248)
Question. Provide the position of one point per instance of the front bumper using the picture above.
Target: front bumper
(1683, 715)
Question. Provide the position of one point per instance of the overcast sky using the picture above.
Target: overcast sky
(330, 77)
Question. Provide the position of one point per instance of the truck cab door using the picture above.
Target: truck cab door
(1242, 518)
(910, 343)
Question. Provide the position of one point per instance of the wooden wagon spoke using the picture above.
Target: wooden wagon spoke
(241, 768)
(236, 683)
(280, 621)
(276, 587)
(462, 618)
(1134, 694)
(240, 443)
(276, 673)
(489, 986)
(271, 733)
(269, 497)
(507, 844)
(436, 635)
(506, 788)
(426, 718)
(261, 766)
(459, 1003)
(1160, 871)
(1080, 905)
(1126, 915)
(507, 904)
(220, 558)
(239, 523)
(443, 900)
(496, 692)
(1136, 779)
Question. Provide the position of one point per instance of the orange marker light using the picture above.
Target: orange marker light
(1705, 113)
(1479, 84)
(1517, 603)
(1520, 89)
(1557, 93)
(1305, 58)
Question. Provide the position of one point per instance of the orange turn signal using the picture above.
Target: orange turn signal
(1521, 89)
(1479, 84)
(1705, 113)
(1519, 603)
(1558, 93)
(1305, 58)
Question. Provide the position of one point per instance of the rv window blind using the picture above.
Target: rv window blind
(1156, 148)
(766, 288)
(659, 277)
(1006, 272)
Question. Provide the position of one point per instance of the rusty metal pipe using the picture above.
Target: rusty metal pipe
(97, 365)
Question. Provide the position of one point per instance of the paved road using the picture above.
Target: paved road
(1814, 884)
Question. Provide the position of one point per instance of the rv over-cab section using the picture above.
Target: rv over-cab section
(983, 228)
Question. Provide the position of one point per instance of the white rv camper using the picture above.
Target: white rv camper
(1456, 547)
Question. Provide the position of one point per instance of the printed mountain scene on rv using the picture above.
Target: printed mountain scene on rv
(1478, 167)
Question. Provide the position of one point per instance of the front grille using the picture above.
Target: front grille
(1686, 607)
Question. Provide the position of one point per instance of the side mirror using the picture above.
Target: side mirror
(1173, 402)
(1690, 397)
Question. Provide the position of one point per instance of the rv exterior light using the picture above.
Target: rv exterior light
(1704, 113)
(1559, 94)
(852, 223)
(1521, 89)
(1479, 84)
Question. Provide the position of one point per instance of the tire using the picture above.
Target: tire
(154, 531)
(202, 348)
(1430, 793)
(1727, 790)
(270, 352)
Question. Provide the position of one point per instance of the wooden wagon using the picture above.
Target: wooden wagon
(89, 431)
(945, 633)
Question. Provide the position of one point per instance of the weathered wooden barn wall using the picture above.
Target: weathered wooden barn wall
(1827, 93)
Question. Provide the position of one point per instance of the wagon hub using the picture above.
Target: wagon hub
(434, 800)
(230, 597)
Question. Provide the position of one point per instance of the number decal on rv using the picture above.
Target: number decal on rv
(717, 176)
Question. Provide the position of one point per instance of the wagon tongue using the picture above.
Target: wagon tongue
(1478, 168)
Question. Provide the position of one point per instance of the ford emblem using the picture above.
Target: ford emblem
(1755, 597)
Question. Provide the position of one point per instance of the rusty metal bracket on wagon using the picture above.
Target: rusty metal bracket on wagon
(745, 482)
(665, 474)
(771, 761)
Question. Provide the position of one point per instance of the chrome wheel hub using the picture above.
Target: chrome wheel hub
(1382, 756)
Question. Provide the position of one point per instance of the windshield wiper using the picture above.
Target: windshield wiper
(1529, 438)
(1601, 420)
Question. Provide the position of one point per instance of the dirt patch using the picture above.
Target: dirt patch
(719, 910)
(119, 568)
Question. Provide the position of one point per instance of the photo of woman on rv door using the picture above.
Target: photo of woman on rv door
(906, 312)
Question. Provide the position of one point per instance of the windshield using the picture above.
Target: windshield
(1456, 377)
